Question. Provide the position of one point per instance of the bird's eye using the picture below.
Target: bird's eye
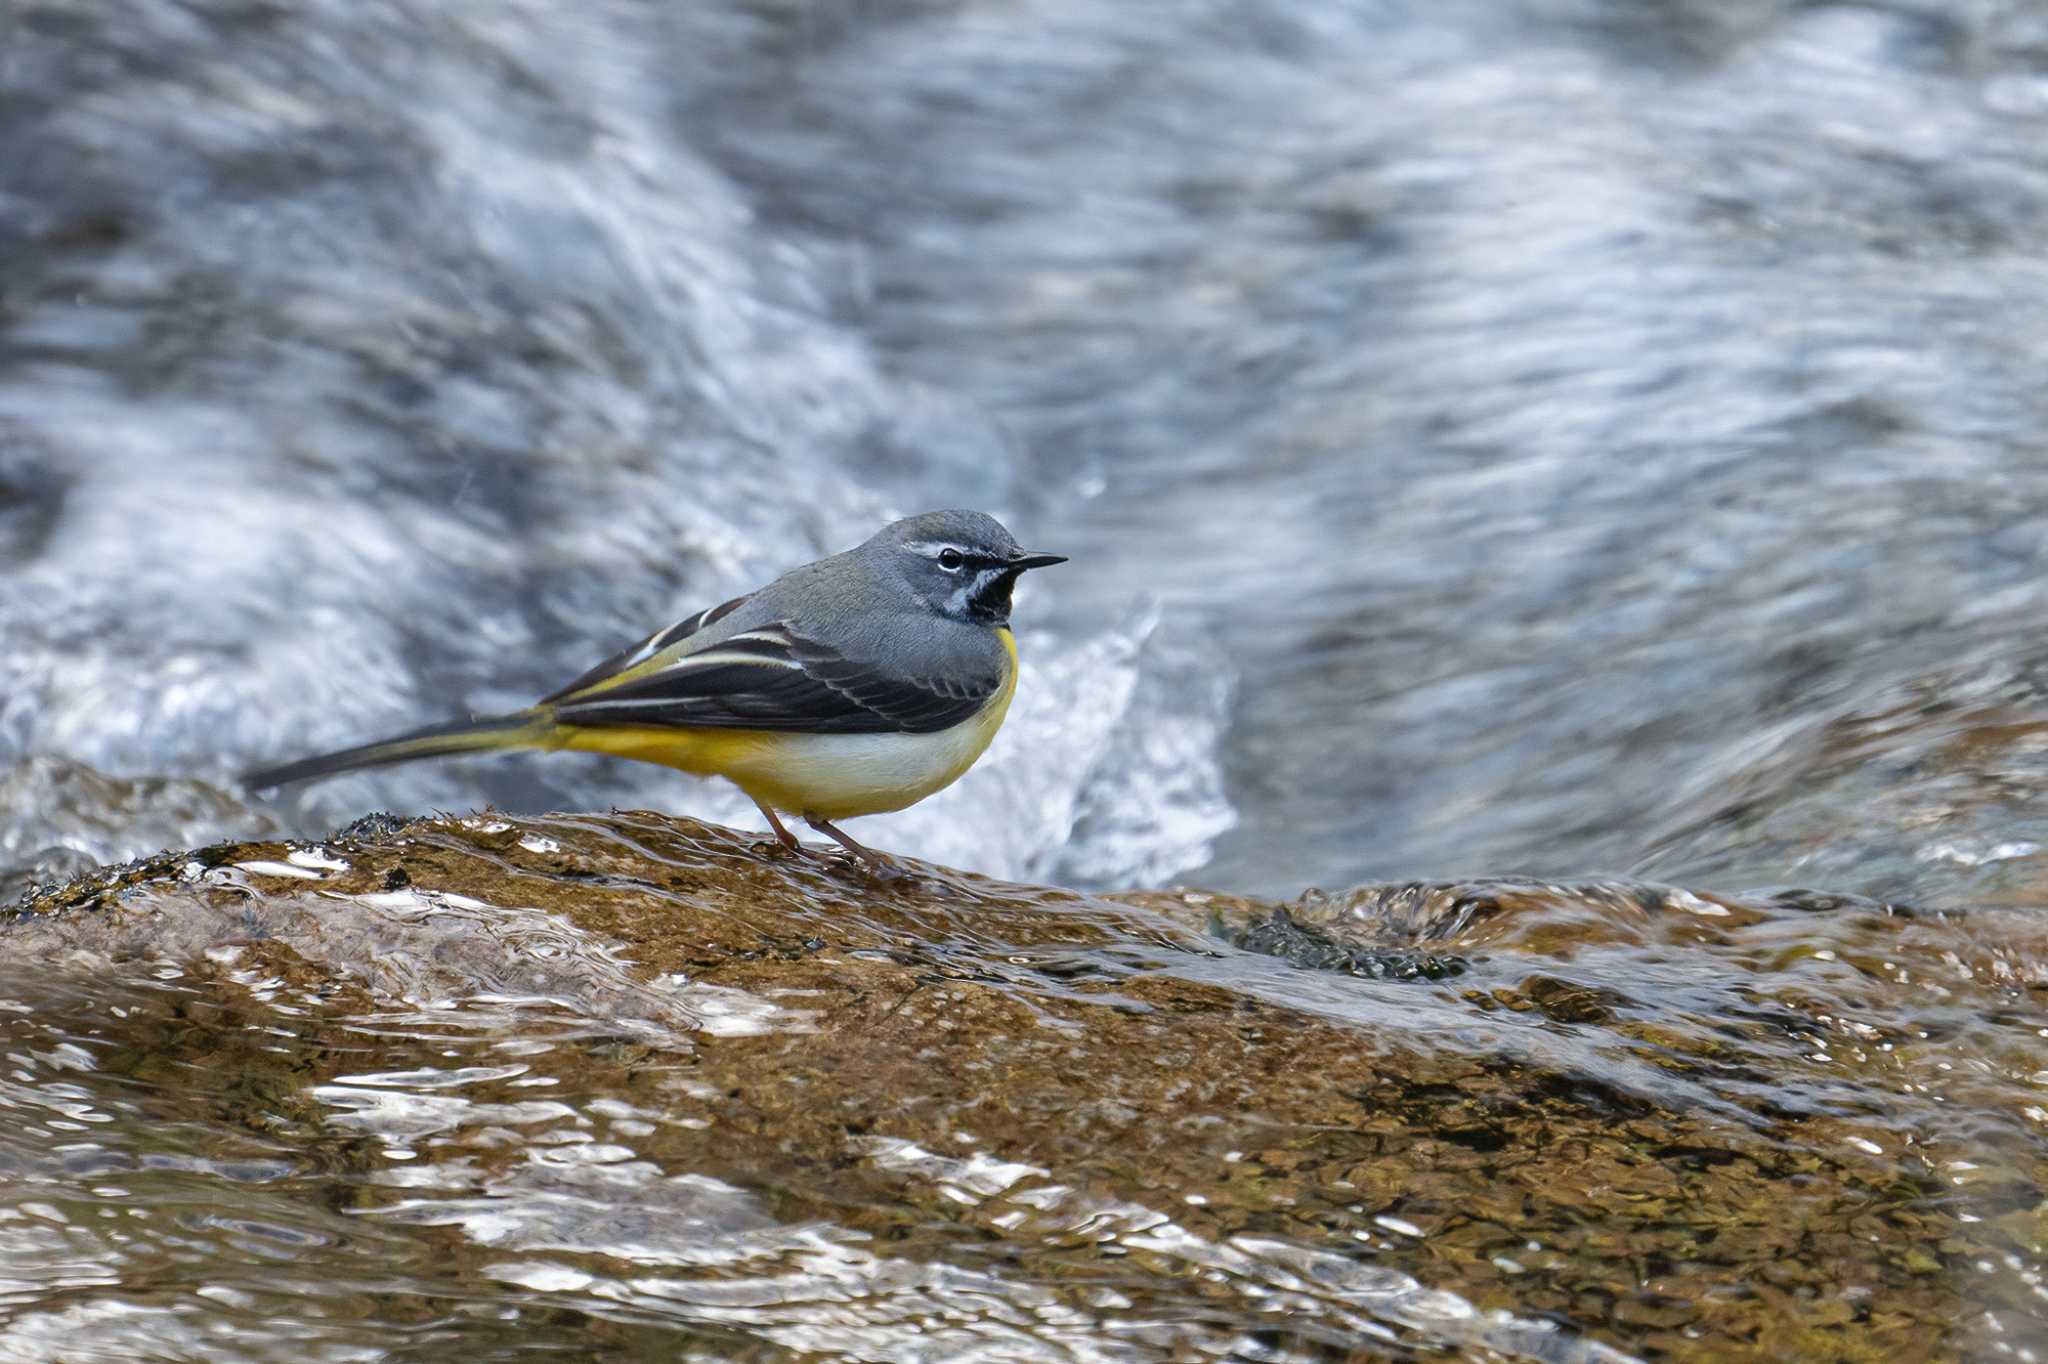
(950, 560)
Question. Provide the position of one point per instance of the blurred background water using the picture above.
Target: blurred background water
(1547, 436)
(1485, 432)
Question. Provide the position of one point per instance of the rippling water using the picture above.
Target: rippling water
(635, 1090)
(1554, 437)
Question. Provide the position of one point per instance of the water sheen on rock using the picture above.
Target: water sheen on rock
(624, 1084)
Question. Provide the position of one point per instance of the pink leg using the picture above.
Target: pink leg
(782, 835)
(867, 857)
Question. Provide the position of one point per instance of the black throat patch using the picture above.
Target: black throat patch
(988, 596)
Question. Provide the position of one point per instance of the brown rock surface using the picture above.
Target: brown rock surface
(621, 1074)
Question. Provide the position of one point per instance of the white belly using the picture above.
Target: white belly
(836, 776)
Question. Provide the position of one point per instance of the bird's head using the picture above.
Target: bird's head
(962, 564)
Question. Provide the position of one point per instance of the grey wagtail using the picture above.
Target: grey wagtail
(856, 685)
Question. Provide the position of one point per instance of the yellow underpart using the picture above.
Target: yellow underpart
(822, 776)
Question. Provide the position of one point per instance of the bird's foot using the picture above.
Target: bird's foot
(785, 841)
(866, 858)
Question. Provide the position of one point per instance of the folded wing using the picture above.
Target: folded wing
(649, 654)
(775, 678)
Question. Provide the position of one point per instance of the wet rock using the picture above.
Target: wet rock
(646, 1076)
(1282, 935)
(63, 819)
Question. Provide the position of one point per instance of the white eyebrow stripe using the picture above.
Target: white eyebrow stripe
(931, 549)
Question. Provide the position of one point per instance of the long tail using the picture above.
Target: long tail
(523, 729)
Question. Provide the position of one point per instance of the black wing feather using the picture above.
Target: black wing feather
(773, 678)
(647, 647)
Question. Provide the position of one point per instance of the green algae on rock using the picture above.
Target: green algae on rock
(624, 1083)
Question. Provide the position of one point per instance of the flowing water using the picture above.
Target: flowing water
(632, 1091)
(1568, 438)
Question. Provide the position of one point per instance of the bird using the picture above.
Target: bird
(855, 685)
